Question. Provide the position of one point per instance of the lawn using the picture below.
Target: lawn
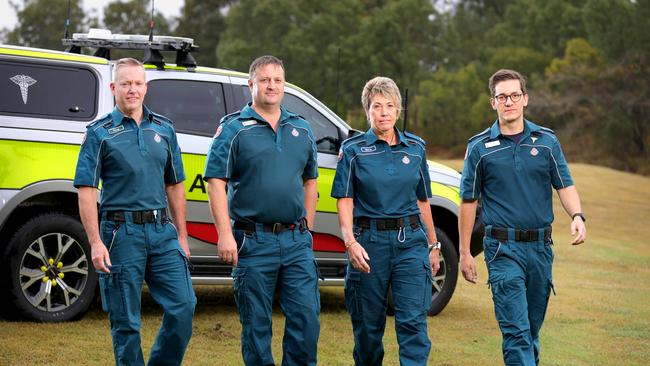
(600, 316)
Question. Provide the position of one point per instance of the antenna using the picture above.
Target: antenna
(151, 23)
(406, 107)
(152, 56)
(67, 23)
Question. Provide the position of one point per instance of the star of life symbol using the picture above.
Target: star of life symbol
(294, 132)
(24, 82)
(156, 138)
(534, 139)
(534, 151)
(406, 160)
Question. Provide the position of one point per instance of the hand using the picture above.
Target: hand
(359, 257)
(578, 227)
(468, 267)
(434, 259)
(185, 245)
(100, 257)
(228, 250)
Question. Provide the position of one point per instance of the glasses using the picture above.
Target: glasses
(514, 97)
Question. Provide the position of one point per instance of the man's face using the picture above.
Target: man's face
(129, 88)
(267, 85)
(509, 111)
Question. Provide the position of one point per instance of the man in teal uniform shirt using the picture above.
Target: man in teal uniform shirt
(265, 158)
(134, 153)
(513, 167)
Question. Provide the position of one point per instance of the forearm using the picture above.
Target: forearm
(466, 224)
(89, 214)
(570, 199)
(311, 200)
(425, 211)
(177, 207)
(345, 207)
(218, 198)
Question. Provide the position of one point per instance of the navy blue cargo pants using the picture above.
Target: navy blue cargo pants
(146, 252)
(520, 276)
(282, 262)
(399, 259)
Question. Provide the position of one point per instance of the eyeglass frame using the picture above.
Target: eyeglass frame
(512, 96)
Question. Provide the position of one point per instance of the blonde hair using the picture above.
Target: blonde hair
(127, 61)
(383, 86)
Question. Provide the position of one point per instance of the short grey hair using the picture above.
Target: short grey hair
(263, 61)
(383, 86)
(127, 61)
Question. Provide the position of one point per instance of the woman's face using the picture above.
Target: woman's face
(383, 113)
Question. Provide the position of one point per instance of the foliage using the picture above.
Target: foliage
(203, 21)
(41, 23)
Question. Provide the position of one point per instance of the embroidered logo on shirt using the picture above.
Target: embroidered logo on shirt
(492, 144)
(340, 154)
(219, 129)
(83, 138)
(295, 133)
(534, 139)
(114, 130)
(368, 148)
(156, 138)
(406, 160)
(534, 152)
(248, 123)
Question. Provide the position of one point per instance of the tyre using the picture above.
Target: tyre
(51, 278)
(444, 282)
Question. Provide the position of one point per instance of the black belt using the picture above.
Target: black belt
(275, 228)
(389, 224)
(501, 233)
(139, 217)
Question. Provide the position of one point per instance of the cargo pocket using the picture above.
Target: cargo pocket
(188, 276)
(492, 250)
(112, 291)
(352, 294)
(241, 298)
(428, 283)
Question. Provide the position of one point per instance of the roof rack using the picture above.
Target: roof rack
(104, 41)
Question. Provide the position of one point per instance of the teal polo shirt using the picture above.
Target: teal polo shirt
(265, 170)
(134, 163)
(384, 181)
(515, 181)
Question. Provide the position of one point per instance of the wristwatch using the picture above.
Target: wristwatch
(435, 245)
(579, 214)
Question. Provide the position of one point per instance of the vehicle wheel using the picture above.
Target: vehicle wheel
(444, 282)
(51, 277)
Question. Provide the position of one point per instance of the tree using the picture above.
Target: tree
(204, 21)
(132, 17)
(41, 23)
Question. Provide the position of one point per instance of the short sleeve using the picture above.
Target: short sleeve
(470, 181)
(343, 185)
(311, 168)
(423, 190)
(88, 169)
(221, 157)
(560, 174)
(174, 172)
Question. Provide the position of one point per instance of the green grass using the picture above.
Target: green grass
(600, 316)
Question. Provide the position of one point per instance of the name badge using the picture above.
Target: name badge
(114, 130)
(368, 148)
(492, 144)
(248, 123)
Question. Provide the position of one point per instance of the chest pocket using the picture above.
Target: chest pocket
(157, 146)
(536, 159)
(255, 143)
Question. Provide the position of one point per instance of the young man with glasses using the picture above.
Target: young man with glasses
(512, 167)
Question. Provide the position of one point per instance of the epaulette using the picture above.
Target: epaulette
(99, 120)
(351, 139)
(546, 129)
(414, 137)
(160, 118)
(228, 117)
(479, 135)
